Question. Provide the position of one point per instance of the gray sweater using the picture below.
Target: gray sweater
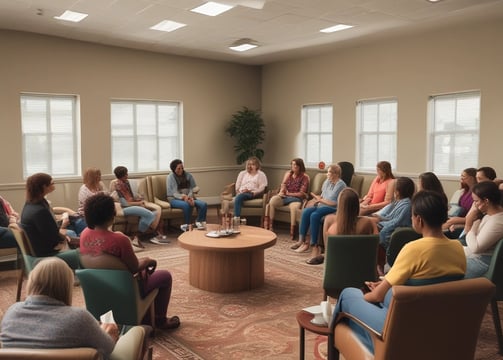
(43, 322)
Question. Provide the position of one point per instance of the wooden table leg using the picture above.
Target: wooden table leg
(302, 343)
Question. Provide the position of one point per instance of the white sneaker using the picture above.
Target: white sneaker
(200, 225)
(184, 227)
(160, 241)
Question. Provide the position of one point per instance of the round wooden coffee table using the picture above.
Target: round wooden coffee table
(227, 264)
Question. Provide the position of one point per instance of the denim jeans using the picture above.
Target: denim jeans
(238, 202)
(477, 266)
(352, 302)
(7, 239)
(200, 205)
(311, 218)
(147, 217)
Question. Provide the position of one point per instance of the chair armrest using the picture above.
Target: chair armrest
(49, 354)
(343, 315)
(61, 209)
(162, 203)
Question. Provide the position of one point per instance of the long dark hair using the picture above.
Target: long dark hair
(35, 186)
(429, 181)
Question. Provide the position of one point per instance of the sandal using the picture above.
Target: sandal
(317, 260)
(170, 323)
(296, 245)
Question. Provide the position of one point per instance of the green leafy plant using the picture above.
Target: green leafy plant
(247, 127)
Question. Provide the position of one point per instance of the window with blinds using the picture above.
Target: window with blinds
(376, 131)
(454, 121)
(51, 138)
(317, 134)
(146, 135)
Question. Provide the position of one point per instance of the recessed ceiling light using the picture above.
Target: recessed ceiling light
(71, 16)
(243, 45)
(212, 8)
(433, 1)
(335, 28)
(168, 26)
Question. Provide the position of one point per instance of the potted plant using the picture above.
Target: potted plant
(247, 127)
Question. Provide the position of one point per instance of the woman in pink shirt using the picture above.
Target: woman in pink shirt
(381, 190)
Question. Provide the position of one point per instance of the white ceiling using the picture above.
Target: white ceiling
(284, 29)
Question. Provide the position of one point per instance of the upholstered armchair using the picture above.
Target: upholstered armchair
(157, 194)
(50, 354)
(434, 322)
(107, 284)
(254, 207)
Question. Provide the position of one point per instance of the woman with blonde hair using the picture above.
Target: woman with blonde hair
(92, 185)
(317, 208)
(292, 191)
(346, 221)
(250, 184)
(381, 190)
(46, 318)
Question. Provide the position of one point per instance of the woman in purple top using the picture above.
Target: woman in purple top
(460, 203)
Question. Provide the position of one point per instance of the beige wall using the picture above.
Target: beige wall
(410, 68)
(210, 91)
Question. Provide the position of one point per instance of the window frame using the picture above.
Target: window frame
(51, 133)
(305, 134)
(432, 133)
(360, 133)
(160, 164)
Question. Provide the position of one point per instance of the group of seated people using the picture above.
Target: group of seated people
(459, 235)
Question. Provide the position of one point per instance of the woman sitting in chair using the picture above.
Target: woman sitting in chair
(250, 184)
(345, 222)
(37, 220)
(47, 320)
(381, 190)
(98, 239)
(483, 228)
(292, 192)
(7, 216)
(433, 258)
(318, 207)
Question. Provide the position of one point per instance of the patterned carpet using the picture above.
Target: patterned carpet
(258, 324)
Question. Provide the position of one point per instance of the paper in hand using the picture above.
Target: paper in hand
(107, 318)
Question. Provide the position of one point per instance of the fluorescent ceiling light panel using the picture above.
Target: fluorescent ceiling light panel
(242, 47)
(71, 16)
(168, 26)
(212, 8)
(335, 28)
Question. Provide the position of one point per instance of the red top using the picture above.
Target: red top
(94, 242)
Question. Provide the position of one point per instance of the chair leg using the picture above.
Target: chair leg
(497, 324)
(19, 283)
(152, 318)
(292, 232)
(302, 339)
(332, 352)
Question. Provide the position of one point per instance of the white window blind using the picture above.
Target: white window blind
(50, 131)
(317, 134)
(146, 135)
(376, 132)
(454, 121)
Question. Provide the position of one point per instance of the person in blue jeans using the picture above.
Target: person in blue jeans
(181, 189)
(433, 258)
(250, 184)
(318, 207)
